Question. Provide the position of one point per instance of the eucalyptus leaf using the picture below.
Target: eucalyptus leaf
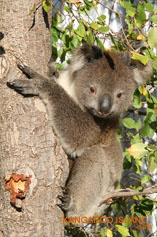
(152, 37)
(123, 230)
(137, 150)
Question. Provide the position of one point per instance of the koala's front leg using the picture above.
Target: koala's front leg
(76, 129)
(26, 87)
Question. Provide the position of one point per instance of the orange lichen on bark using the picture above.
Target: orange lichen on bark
(17, 185)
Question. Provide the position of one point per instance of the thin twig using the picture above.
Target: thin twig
(129, 192)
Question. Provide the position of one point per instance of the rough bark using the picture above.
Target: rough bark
(27, 143)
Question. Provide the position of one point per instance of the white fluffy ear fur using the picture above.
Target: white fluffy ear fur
(78, 62)
(142, 73)
(83, 55)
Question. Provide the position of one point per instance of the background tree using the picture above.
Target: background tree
(28, 147)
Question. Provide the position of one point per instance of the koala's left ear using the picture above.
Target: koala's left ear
(142, 73)
(84, 54)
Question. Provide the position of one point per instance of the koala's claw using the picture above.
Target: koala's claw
(29, 72)
(64, 198)
(59, 205)
(60, 197)
(63, 207)
(65, 202)
(10, 84)
(20, 66)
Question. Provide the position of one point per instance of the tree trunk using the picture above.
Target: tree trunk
(28, 146)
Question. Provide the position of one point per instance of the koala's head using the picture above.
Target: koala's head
(104, 81)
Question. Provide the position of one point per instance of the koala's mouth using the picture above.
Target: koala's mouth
(98, 113)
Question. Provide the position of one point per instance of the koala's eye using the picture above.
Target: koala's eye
(119, 95)
(92, 89)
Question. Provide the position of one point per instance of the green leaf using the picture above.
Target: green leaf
(129, 123)
(154, 18)
(137, 169)
(139, 162)
(94, 25)
(154, 99)
(137, 99)
(90, 36)
(67, 9)
(123, 230)
(81, 30)
(46, 5)
(130, 10)
(60, 52)
(136, 138)
(127, 223)
(102, 232)
(138, 125)
(140, 18)
(149, 6)
(54, 52)
(100, 44)
(54, 35)
(145, 179)
(109, 233)
(101, 18)
(103, 29)
(137, 150)
(75, 41)
(152, 37)
(142, 58)
(136, 233)
(140, 8)
(153, 162)
(88, 3)
(147, 131)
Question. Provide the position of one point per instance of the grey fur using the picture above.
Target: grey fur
(84, 105)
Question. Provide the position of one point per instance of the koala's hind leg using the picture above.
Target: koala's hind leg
(88, 181)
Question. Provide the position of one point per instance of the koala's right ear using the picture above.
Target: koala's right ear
(142, 73)
(83, 55)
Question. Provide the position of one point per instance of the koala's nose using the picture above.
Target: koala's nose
(105, 104)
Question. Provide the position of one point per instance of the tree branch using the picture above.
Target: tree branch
(129, 192)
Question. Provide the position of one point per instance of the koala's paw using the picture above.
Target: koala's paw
(65, 202)
(24, 87)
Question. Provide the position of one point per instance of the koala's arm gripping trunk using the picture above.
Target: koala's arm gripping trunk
(76, 129)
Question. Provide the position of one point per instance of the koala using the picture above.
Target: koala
(84, 103)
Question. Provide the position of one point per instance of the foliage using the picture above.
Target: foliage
(140, 25)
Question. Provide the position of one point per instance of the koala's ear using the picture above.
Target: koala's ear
(142, 73)
(83, 55)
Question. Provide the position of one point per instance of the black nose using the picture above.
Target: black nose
(105, 104)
